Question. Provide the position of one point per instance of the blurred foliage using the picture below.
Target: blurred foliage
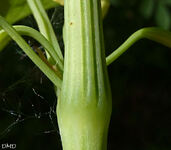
(140, 81)
(14, 10)
(160, 10)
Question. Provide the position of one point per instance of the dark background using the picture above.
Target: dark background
(140, 82)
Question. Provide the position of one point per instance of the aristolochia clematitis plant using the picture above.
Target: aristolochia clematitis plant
(80, 78)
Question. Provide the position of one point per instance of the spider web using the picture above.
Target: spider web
(15, 109)
(28, 97)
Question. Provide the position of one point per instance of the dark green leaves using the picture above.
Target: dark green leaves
(146, 8)
(14, 10)
(163, 16)
(157, 9)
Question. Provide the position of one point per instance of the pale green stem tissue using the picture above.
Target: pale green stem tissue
(84, 104)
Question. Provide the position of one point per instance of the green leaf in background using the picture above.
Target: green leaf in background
(115, 2)
(162, 16)
(167, 2)
(14, 10)
(146, 8)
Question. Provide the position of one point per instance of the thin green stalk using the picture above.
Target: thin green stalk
(31, 54)
(84, 104)
(28, 31)
(44, 25)
(155, 34)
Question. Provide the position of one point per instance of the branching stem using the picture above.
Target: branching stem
(28, 31)
(154, 34)
(44, 25)
(30, 53)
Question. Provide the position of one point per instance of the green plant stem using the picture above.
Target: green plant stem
(31, 54)
(155, 34)
(27, 31)
(44, 25)
(104, 5)
(84, 104)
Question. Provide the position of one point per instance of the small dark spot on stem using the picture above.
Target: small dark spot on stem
(71, 23)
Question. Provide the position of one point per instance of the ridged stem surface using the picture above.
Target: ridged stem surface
(84, 104)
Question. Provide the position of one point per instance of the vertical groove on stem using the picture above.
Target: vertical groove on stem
(84, 105)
